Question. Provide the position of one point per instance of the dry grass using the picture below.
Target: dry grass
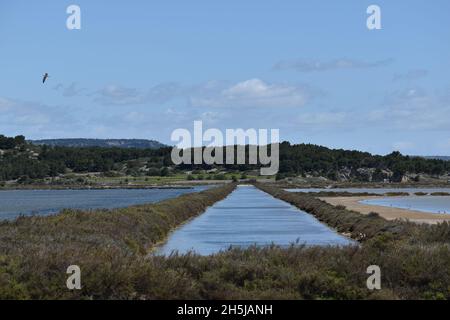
(111, 246)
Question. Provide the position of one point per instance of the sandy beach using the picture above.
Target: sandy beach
(389, 213)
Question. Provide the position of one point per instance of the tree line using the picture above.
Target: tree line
(16, 161)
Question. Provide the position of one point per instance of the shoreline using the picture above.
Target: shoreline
(168, 185)
(388, 213)
(111, 187)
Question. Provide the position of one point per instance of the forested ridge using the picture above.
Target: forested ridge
(104, 143)
(307, 158)
(18, 159)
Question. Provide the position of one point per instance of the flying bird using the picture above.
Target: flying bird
(45, 77)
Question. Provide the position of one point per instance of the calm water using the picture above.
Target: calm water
(372, 190)
(45, 202)
(246, 217)
(433, 204)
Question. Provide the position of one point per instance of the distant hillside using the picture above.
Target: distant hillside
(445, 158)
(105, 143)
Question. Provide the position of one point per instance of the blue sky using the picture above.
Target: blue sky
(140, 69)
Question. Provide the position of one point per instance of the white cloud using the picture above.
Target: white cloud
(70, 91)
(32, 118)
(411, 75)
(323, 119)
(408, 110)
(337, 64)
(248, 93)
(254, 93)
(413, 109)
(118, 95)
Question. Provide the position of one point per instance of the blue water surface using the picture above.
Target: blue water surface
(248, 217)
(44, 202)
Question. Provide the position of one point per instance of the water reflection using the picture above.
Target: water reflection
(246, 217)
(45, 202)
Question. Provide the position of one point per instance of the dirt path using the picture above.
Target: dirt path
(389, 213)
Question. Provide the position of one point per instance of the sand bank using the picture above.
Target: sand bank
(389, 213)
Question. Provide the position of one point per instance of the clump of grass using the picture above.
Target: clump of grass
(373, 215)
(439, 194)
(396, 194)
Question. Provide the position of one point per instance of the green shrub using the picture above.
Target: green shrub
(112, 246)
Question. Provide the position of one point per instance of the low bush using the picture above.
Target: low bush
(112, 249)
(396, 194)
